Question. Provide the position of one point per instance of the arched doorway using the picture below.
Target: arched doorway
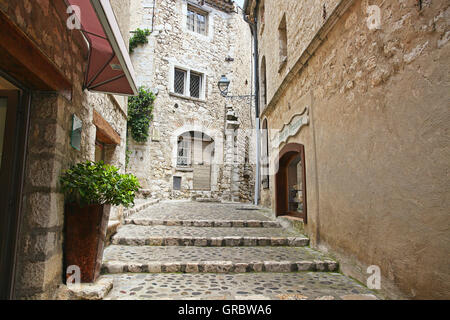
(290, 182)
(195, 151)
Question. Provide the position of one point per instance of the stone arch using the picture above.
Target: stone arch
(214, 134)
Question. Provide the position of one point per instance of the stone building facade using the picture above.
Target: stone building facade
(355, 96)
(45, 62)
(201, 144)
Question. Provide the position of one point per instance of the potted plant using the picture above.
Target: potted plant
(90, 189)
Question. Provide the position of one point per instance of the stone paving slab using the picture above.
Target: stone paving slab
(136, 259)
(206, 237)
(249, 286)
(194, 211)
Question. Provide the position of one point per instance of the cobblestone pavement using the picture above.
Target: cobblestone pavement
(184, 210)
(259, 286)
(190, 250)
(206, 236)
(119, 259)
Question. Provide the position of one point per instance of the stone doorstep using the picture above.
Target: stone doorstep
(213, 242)
(86, 291)
(205, 223)
(116, 267)
(292, 223)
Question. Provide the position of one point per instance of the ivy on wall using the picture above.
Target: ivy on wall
(139, 38)
(140, 109)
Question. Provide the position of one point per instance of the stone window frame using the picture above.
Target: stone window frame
(208, 11)
(187, 84)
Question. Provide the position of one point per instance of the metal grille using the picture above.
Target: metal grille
(179, 80)
(196, 81)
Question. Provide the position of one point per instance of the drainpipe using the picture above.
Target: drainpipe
(254, 29)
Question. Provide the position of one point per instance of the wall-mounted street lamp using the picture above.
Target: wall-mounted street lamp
(224, 85)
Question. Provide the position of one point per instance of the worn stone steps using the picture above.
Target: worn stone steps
(138, 259)
(187, 250)
(240, 286)
(135, 235)
(204, 223)
(192, 211)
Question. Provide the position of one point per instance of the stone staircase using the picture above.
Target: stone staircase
(222, 242)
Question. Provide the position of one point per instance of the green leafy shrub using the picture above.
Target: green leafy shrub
(140, 115)
(139, 38)
(98, 183)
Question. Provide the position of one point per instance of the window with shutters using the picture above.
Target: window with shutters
(197, 20)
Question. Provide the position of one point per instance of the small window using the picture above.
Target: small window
(196, 84)
(263, 77)
(262, 13)
(265, 162)
(282, 34)
(196, 20)
(179, 81)
(177, 183)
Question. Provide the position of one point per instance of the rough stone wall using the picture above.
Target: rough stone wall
(377, 145)
(40, 249)
(172, 45)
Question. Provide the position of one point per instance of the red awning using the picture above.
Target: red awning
(109, 67)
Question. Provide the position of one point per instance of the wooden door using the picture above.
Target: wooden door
(290, 156)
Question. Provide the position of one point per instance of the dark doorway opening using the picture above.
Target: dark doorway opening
(14, 118)
(290, 182)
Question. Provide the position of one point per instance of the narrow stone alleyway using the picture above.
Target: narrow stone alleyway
(190, 250)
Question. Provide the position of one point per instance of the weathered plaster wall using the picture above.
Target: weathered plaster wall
(40, 252)
(303, 20)
(172, 45)
(377, 146)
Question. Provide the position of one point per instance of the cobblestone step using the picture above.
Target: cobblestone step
(204, 223)
(206, 237)
(193, 211)
(136, 259)
(248, 286)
